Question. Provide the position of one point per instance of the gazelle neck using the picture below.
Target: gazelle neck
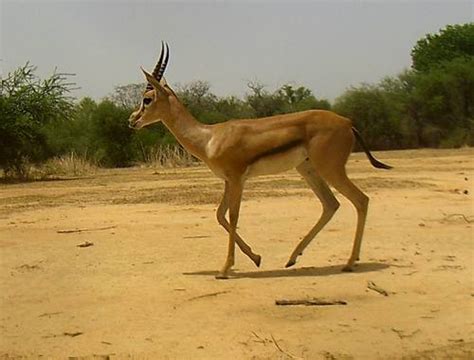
(189, 132)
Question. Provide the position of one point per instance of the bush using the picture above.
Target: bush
(27, 105)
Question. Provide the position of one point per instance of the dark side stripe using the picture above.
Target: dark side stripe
(277, 150)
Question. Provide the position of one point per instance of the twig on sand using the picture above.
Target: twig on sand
(208, 295)
(467, 219)
(70, 231)
(372, 286)
(72, 334)
(263, 341)
(283, 351)
(402, 334)
(50, 314)
(309, 302)
(196, 237)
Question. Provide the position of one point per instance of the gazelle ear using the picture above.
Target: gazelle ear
(163, 81)
(155, 83)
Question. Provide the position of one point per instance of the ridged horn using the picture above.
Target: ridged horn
(163, 64)
(160, 66)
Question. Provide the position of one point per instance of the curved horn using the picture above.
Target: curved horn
(158, 66)
(162, 69)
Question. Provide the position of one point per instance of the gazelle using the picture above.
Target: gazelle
(317, 143)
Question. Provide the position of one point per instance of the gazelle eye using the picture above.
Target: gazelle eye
(146, 101)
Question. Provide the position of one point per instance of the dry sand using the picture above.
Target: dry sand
(145, 288)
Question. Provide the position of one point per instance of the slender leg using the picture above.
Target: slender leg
(337, 147)
(234, 198)
(346, 187)
(221, 211)
(328, 200)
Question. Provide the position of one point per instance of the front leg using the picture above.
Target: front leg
(221, 211)
(235, 188)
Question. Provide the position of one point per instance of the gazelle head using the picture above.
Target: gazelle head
(155, 102)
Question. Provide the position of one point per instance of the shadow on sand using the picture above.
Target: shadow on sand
(304, 271)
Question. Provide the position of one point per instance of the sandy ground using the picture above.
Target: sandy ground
(145, 288)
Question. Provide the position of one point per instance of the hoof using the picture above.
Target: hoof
(290, 263)
(221, 276)
(258, 260)
(348, 268)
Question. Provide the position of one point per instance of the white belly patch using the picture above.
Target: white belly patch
(278, 163)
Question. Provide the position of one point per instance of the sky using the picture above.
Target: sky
(326, 46)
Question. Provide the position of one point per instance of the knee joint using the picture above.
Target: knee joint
(332, 206)
(220, 215)
(363, 203)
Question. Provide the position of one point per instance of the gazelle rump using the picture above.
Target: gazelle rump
(316, 142)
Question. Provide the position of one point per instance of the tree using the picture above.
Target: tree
(300, 99)
(451, 42)
(368, 107)
(27, 105)
(441, 103)
(113, 138)
(76, 133)
(197, 97)
(262, 102)
(127, 96)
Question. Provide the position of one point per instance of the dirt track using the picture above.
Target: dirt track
(145, 289)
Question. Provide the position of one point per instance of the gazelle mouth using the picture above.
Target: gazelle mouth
(133, 124)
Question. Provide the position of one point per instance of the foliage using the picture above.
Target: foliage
(371, 112)
(113, 137)
(428, 109)
(27, 105)
(284, 100)
(450, 43)
(431, 105)
(127, 96)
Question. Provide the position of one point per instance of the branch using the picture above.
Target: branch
(208, 295)
(83, 230)
(372, 286)
(309, 302)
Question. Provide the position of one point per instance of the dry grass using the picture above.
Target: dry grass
(169, 156)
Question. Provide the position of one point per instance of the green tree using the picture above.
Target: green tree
(27, 105)
(451, 42)
(76, 133)
(262, 102)
(232, 107)
(441, 103)
(300, 99)
(113, 138)
(198, 98)
(368, 107)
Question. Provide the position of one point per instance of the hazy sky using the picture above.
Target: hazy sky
(324, 45)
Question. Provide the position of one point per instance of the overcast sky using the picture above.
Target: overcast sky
(324, 45)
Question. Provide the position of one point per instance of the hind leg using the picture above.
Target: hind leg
(346, 187)
(328, 154)
(328, 201)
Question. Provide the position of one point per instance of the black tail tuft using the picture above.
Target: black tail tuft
(373, 161)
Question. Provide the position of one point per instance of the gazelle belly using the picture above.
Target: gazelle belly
(278, 163)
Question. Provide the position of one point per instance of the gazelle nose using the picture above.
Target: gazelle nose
(132, 121)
